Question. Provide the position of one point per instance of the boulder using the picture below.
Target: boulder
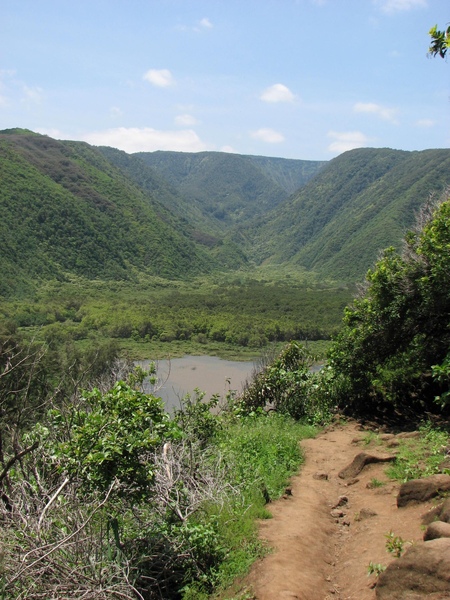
(422, 572)
(360, 461)
(437, 529)
(421, 490)
(444, 515)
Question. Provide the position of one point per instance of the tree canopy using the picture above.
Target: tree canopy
(398, 330)
(440, 41)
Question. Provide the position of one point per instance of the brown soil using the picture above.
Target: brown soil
(317, 556)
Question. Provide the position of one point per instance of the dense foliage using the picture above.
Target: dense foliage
(392, 354)
(70, 210)
(233, 311)
(103, 495)
(66, 210)
(230, 188)
(363, 201)
(287, 383)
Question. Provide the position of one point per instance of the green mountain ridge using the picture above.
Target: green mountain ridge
(361, 203)
(231, 188)
(66, 210)
(71, 209)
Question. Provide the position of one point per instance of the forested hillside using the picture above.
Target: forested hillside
(70, 209)
(362, 202)
(66, 210)
(230, 188)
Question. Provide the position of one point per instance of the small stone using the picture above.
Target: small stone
(352, 481)
(343, 500)
(337, 514)
(288, 491)
(321, 475)
(366, 513)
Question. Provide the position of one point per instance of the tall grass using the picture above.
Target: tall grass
(261, 453)
(421, 456)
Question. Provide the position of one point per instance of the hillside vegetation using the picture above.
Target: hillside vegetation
(362, 202)
(71, 209)
(66, 210)
(102, 493)
(231, 188)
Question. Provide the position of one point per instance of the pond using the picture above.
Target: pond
(180, 376)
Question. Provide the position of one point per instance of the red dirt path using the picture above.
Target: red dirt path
(317, 556)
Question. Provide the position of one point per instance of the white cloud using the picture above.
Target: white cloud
(346, 140)
(159, 77)
(395, 6)
(206, 23)
(268, 135)
(185, 120)
(201, 25)
(32, 95)
(147, 139)
(277, 93)
(387, 114)
(425, 123)
(115, 112)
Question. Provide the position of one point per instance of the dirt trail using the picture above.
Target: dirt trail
(317, 556)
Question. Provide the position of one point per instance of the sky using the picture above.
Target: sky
(303, 79)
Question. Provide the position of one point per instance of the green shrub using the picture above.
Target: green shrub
(420, 456)
(112, 438)
(395, 335)
(288, 386)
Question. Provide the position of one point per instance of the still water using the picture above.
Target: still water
(210, 374)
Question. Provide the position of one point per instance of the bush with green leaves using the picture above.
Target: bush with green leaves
(398, 328)
(287, 385)
(113, 437)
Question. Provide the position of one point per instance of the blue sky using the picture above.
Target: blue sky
(306, 79)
